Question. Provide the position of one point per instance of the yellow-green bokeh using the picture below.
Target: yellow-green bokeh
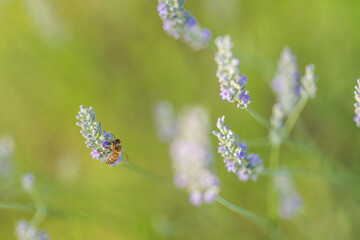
(115, 57)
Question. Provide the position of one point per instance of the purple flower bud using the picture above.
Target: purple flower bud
(243, 176)
(206, 34)
(95, 154)
(225, 95)
(162, 9)
(196, 198)
(105, 144)
(191, 22)
(242, 80)
(244, 97)
(241, 155)
(167, 25)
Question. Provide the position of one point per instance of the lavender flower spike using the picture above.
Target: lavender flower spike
(165, 121)
(357, 104)
(7, 145)
(236, 156)
(289, 200)
(232, 83)
(27, 182)
(96, 138)
(179, 23)
(192, 157)
(308, 82)
(277, 125)
(286, 83)
(27, 231)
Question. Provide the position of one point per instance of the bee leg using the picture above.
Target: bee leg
(102, 152)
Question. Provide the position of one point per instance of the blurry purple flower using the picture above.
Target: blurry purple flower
(181, 24)
(162, 9)
(225, 94)
(95, 154)
(206, 34)
(242, 80)
(357, 104)
(289, 199)
(165, 121)
(287, 81)
(27, 182)
(192, 157)
(27, 231)
(243, 176)
(191, 21)
(7, 145)
(196, 198)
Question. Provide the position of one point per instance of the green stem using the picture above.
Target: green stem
(17, 206)
(272, 194)
(149, 176)
(258, 117)
(257, 142)
(256, 218)
(291, 120)
(40, 206)
(164, 182)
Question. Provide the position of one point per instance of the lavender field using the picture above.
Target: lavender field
(174, 119)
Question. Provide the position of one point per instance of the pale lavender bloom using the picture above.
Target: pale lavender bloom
(308, 82)
(286, 83)
(179, 23)
(95, 154)
(357, 104)
(289, 200)
(277, 125)
(289, 88)
(26, 231)
(46, 21)
(235, 154)
(27, 182)
(192, 157)
(96, 138)
(7, 144)
(165, 121)
(232, 83)
(196, 198)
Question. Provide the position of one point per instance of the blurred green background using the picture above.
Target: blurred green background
(113, 55)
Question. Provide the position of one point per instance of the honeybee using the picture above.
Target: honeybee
(115, 149)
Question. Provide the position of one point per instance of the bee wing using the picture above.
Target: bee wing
(125, 156)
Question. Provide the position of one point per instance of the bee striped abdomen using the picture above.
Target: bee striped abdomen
(112, 158)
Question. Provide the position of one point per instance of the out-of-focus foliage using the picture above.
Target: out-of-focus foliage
(115, 56)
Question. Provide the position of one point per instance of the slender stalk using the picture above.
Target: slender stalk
(291, 120)
(257, 142)
(155, 178)
(258, 117)
(256, 218)
(272, 194)
(40, 206)
(149, 176)
(17, 206)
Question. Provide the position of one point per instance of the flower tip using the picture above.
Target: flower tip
(27, 182)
